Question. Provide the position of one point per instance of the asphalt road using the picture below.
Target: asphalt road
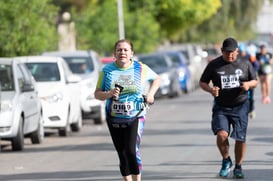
(177, 145)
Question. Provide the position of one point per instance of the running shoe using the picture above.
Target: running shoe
(226, 165)
(268, 100)
(252, 115)
(264, 100)
(238, 172)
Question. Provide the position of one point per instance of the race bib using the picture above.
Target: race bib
(123, 108)
(230, 81)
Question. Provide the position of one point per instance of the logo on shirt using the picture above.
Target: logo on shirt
(239, 72)
(221, 73)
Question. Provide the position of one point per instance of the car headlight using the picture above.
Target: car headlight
(182, 73)
(165, 79)
(53, 98)
(6, 106)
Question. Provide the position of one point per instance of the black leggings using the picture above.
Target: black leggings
(124, 140)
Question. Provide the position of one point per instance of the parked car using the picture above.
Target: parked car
(20, 105)
(212, 52)
(106, 60)
(162, 64)
(195, 57)
(184, 73)
(59, 92)
(91, 107)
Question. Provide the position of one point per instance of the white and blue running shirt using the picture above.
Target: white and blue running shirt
(133, 80)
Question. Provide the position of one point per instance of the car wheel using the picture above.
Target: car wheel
(98, 120)
(189, 87)
(17, 142)
(101, 116)
(65, 130)
(76, 127)
(37, 136)
(175, 89)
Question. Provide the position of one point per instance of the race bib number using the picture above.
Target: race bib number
(230, 81)
(123, 108)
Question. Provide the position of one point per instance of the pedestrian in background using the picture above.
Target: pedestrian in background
(265, 73)
(122, 84)
(231, 78)
(251, 57)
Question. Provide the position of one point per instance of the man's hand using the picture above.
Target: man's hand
(245, 86)
(215, 91)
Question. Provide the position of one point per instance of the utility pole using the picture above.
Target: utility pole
(120, 20)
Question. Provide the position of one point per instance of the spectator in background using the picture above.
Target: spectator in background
(85, 69)
(265, 73)
(244, 54)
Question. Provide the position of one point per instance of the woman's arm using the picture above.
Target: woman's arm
(103, 95)
(154, 87)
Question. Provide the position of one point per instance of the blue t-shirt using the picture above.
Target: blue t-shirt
(133, 80)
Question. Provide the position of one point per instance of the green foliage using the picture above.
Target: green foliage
(147, 23)
(234, 18)
(178, 15)
(27, 27)
(97, 28)
(142, 29)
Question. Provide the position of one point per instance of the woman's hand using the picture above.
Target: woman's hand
(150, 99)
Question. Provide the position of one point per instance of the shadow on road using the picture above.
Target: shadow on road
(110, 175)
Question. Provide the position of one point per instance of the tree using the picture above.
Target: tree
(27, 27)
(176, 16)
(147, 23)
(97, 28)
(234, 18)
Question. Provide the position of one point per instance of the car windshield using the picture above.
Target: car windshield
(212, 51)
(174, 58)
(186, 54)
(44, 72)
(6, 78)
(80, 65)
(154, 62)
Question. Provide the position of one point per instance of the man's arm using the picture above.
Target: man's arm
(249, 85)
(214, 91)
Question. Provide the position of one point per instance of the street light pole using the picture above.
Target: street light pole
(120, 20)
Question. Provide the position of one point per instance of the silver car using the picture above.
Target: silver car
(20, 110)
